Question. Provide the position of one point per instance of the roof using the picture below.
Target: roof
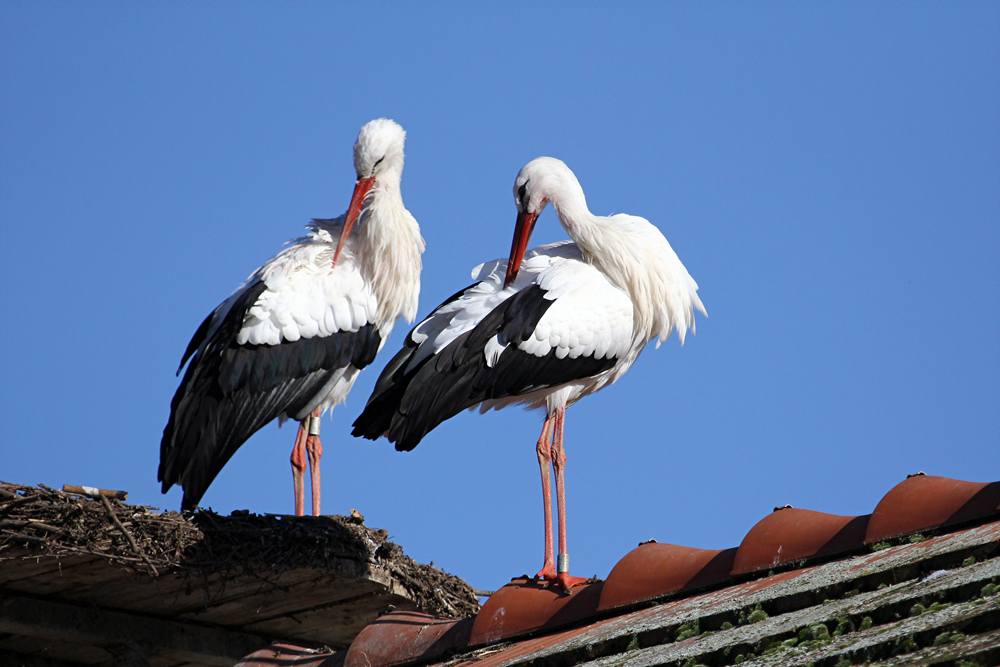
(80, 576)
(915, 580)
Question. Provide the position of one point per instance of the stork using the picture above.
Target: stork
(290, 341)
(542, 330)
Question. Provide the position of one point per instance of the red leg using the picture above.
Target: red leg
(299, 468)
(562, 579)
(544, 449)
(315, 449)
(559, 464)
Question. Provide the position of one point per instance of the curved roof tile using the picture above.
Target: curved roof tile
(651, 570)
(790, 534)
(402, 636)
(524, 606)
(922, 502)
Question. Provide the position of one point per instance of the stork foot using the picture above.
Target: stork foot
(549, 578)
(548, 573)
(565, 583)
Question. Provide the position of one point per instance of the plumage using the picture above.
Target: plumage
(291, 340)
(543, 328)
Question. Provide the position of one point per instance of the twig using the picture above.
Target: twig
(31, 523)
(128, 535)
(94, 492)
(17, 537)
(24, 500)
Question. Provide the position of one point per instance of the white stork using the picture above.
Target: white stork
(290, 341)
(569, 320)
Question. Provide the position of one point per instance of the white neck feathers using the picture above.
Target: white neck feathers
(636, 258)
(388, 245)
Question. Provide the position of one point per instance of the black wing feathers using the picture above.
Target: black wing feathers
(520, 320)
(196, 340)
(230, 391)
(230, 325)
(390, 387)
(405, 406)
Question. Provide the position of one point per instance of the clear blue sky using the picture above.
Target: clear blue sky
(828, 172)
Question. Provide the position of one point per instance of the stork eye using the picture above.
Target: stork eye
(377, 163)
(521, 191)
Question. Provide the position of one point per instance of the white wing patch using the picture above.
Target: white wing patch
(461, 315)
(494, 348)
(454, 319)
(590, 315)
(304, 299)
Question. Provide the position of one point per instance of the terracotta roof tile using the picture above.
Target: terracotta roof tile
(652, 570)
(524, 606)
(288, 655)
(922, 502)
(400, 636)
(790, 534)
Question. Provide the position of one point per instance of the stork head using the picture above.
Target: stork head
(543, 180)
(378, 161)
(379, 149)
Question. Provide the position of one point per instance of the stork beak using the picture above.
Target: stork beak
(361, 190)
(522, 234)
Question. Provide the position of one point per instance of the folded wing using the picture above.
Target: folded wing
(560, 322)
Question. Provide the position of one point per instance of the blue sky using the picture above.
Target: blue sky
(828, 172)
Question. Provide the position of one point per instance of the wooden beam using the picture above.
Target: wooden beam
(59, 622)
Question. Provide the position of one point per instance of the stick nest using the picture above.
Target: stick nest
(43, 522)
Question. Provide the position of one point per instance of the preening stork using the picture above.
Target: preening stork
(289, 342)
(542, 330)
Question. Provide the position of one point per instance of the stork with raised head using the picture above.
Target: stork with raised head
(542, 330)
(290, 341)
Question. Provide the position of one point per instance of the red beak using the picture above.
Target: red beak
(522, 234)
(361, 190)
